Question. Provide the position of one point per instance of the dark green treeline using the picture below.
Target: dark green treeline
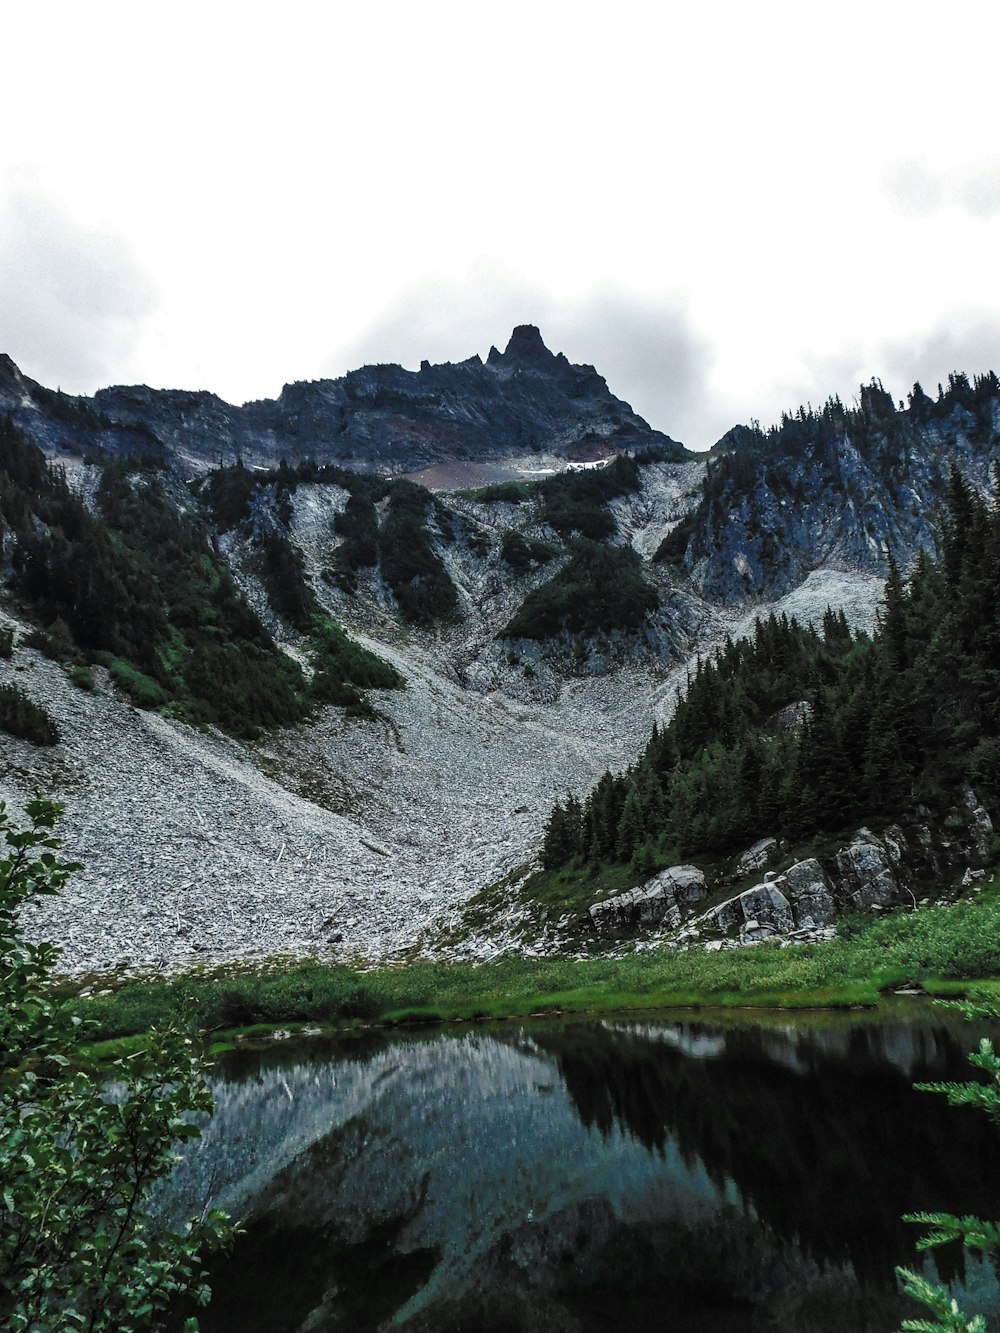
(796, 731)
(136, 583)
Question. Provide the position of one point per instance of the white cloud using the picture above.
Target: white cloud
(922, 190)
(74, 301)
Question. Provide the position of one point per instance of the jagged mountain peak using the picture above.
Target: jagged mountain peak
(526, 344)
(379, 418)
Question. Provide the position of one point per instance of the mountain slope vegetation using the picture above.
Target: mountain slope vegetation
(136, 584)
(887, 723)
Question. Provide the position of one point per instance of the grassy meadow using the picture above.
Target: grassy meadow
(943, 950)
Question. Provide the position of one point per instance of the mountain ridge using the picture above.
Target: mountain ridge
(450, 779)
(521, 402)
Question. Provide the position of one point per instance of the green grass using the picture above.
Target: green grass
(944, 950)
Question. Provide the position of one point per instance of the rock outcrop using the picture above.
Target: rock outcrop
(758, 856)
(523, 401)
(665, 900)
(800, 899)
(978, 822)
(868, 869)
(872, 872)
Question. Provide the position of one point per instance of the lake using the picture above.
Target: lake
(669, 1173)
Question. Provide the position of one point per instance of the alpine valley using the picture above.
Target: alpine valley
(371, 671)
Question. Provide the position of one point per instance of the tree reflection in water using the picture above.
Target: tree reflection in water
(588, 1176)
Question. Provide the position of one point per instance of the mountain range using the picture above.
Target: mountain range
(306, 703)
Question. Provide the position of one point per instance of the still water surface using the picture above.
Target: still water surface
(623, 1174)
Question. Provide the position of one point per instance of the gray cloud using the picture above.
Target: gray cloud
(969, 342)
(647, 349)
(650, 354)
(921, 191)
(73, 299)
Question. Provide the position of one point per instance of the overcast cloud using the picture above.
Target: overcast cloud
(728, 209)
(74, 301)
(920, 189)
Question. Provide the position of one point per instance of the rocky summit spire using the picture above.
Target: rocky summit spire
(526, 346)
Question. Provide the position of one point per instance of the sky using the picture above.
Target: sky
(728, 208)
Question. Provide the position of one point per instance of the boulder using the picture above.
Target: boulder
(868, 869)
(980, 823)
(758, 912)
(757, 857)
(665, 900)
(798, 899)
(807, 889)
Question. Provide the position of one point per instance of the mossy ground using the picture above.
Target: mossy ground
(944, 950)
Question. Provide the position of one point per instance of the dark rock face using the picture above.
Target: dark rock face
(872, 872)
(379, 418)
(835, 489)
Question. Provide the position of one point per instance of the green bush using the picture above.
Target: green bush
(83, 678)
(284, 579)
(410, 566)
(342, 668)
(140, 688)
(22, 717)
(601, 589)
(576, 502)
(524, 553)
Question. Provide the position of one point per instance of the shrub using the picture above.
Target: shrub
(22, 717)
(524, 553)
(82, 677)
(576, 502)
(140, 688)
(342, 667)
(79, 1247)
(410, 565)
(601, 589)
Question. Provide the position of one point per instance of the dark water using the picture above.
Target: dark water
(615, 1175)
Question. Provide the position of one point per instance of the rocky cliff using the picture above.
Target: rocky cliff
(539, 628)
(519, 403)
(840, 488)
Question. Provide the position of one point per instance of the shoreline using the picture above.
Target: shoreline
(942, 952)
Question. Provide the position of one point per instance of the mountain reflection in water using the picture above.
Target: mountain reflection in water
(590, 1176)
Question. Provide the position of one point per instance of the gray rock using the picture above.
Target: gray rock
(757, 856)
(763, 908)
(667, 899)
(807, 889)
(868, 869)
(980, 824)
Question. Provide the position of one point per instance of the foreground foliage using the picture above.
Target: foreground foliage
(78, 1246)
(945, 1228)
